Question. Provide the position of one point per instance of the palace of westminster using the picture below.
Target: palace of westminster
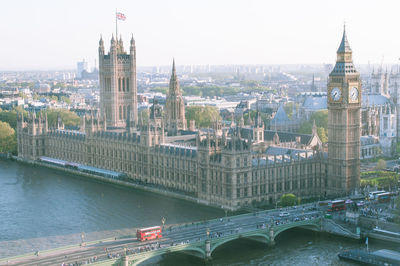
(223, 166)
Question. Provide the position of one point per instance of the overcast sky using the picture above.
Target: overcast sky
(55, 34)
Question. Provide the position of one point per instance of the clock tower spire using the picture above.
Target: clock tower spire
(344, 105)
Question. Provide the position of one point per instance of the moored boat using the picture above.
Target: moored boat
(379, 257)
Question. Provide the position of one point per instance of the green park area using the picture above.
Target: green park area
(381, 179)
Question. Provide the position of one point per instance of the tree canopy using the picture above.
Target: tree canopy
(289, 109)
(203, 115)
(380, 165)
(288, 200)
(397, 210)
(8, 140)
(211, 90)
(69, 118)
(321, 121)
(144, 115)
(11, 116)
(381, 179)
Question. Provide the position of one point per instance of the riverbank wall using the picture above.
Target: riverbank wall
(115, 182)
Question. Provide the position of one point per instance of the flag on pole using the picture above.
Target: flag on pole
(120, 16)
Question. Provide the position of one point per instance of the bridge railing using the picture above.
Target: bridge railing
(216, 220)
(198, 245)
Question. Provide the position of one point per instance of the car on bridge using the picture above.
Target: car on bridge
(284, 214)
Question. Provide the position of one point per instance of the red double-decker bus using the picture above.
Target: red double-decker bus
(149, 233)
(336, 205)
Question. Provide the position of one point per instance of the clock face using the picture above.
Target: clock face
(354, 94)
(336, 93)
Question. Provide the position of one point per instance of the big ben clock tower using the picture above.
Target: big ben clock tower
(344, 105)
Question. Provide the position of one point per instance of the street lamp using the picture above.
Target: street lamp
(163, 222)
(276, 204)
(83, 238)
(208, 233)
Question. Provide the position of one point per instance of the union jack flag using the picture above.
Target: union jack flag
(120, 16)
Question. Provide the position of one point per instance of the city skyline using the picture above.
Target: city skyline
(47, 35)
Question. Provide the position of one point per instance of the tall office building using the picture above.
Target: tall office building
(80, 67)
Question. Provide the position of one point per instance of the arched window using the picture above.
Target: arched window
(119, 84)
(124, 112)
(123, 84)
(120, 112)
(127, 84)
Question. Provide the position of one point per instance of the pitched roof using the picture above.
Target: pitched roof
(374, 99)
(272, 150)
(287, 136)
(315, 103)
(280, 116)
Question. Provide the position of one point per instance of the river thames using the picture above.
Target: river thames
(42, 209)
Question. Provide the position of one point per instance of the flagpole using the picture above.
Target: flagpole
(116, 25)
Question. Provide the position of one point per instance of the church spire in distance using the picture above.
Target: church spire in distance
(174, 83)
(175, 106)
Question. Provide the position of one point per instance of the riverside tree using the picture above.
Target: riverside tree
(288, 200)
(8, 139)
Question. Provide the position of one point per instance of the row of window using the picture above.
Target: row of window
(124, 111)
(258, 190)
(123, 84)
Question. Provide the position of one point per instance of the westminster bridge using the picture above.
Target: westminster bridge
(198, 239)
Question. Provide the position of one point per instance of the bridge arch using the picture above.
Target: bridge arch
(256, 236)
(282, 229)
(190, 250)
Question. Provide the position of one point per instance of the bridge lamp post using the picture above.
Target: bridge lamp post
(163, 222)
(208, 233)
(83, 237)
(276, 204)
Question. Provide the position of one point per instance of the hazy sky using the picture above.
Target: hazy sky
(55, 34)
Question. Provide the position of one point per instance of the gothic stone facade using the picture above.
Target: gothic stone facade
(344, 124)
(219, 167)
(117, 77)
(221, 170)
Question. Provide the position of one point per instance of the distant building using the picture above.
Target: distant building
(281, 122)
(370, 147)
(42, 88)
(86, 75)
(313, 103)
(80, 67)
(381, 109)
